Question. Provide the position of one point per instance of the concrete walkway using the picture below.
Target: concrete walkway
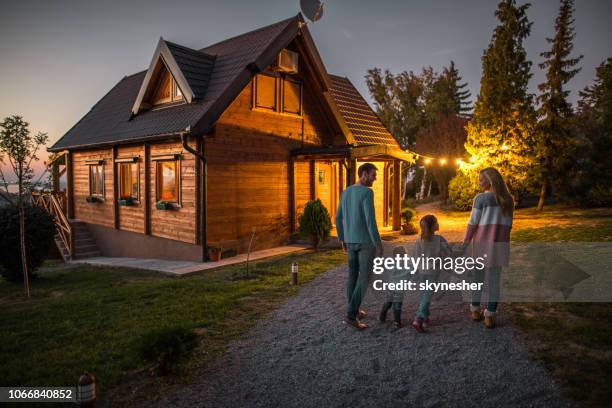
(181, 268)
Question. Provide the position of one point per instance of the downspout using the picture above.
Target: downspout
(200, 156)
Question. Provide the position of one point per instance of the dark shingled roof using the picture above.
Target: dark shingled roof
(196, 66)
(109, 121)
(363, 122)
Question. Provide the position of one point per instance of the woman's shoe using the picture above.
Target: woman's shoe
(489, 319)
(475, 313)
(418, 325)
(426, 322)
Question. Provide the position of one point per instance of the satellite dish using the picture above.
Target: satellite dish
(312, 9)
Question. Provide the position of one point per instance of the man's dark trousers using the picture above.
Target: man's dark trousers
(360, 262)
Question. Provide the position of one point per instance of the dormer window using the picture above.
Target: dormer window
(167, 90)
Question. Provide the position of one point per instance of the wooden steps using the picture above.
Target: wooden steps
(84, 243)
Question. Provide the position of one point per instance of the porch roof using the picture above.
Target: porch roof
(361, 152)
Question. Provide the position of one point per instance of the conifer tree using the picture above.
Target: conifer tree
(500, 133)
(555, 139)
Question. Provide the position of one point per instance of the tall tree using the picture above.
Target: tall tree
(555, 136)
(19, 148)
(398, 102)
(594, 121)
(500, 133)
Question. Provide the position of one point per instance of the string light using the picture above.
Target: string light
(427, 161)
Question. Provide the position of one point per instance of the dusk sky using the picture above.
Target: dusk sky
(60, 57)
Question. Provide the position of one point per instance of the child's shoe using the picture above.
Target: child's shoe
(397, 325)
(426, 322)
(382, 317)
(418, 324)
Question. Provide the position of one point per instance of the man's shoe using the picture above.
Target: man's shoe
(361, 314)
(355, 323)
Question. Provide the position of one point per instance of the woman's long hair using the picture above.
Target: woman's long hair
(499, 190)
(427, 224)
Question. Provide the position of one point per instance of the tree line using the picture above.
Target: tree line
(542, 145)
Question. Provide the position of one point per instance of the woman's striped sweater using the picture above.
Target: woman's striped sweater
(489, 230)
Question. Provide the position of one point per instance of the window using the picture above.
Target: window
(167, 180)
(292, 97)
(96, 180)
(167, 90)
(265, 92)
(128, 181)
(277, 93)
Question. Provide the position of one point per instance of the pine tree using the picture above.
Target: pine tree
(500, 133)
(594, 120)
(459, 95)
(554, 147)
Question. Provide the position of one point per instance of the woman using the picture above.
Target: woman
(488, 232)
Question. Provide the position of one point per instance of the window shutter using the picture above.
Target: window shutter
(265, 92)
(292, 97)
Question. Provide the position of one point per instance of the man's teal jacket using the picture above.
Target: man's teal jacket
(355, 217)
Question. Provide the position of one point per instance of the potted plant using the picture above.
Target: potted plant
(126, 201)
(214, 253)
(93, 199)
(163, 205)
(408, 227)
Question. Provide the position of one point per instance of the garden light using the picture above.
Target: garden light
(294, 274)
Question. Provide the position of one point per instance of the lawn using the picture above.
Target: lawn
(94, 318)
(573, 340)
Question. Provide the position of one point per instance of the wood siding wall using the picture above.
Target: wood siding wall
(178, 224)
(248, 159)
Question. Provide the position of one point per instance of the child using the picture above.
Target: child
(394, 297)
(429, 245)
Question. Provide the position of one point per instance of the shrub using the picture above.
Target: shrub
(461, 190)
(39, 230)
(599, 196)
(167, 348)
(408, 214)
(315, 223)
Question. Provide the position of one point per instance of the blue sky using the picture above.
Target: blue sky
(60, 57)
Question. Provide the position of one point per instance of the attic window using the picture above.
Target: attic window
(167, 90)
(277, 93)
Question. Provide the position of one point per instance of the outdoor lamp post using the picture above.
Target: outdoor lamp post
(294, 274)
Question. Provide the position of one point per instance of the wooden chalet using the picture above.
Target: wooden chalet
(207, 146)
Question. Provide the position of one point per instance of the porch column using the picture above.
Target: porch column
(397, 222)
(351, 176)
(55, 174)
(69, 186)
(292, 200)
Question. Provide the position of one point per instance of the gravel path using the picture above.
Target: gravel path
(302, 355)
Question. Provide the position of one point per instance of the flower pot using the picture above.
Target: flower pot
(163, 205)
(214, 254)
(125, 201)
(93, 199)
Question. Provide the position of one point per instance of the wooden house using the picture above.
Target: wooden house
(207, 146)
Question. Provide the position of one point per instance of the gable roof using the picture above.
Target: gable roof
(190, 69)
(362, 121)
(110, 120)
(211, 78)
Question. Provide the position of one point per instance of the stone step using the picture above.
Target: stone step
(90, 254)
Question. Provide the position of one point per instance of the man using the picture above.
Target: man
(358, 234)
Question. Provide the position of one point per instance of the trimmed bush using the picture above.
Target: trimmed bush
(462, 189)
(167, 348)
(39, 238)
(315, 223)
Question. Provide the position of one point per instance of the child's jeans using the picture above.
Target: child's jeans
(493, 273)
(425, 297)
(397, 310)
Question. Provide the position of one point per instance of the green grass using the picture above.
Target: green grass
(93, 318)
(573, 340)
